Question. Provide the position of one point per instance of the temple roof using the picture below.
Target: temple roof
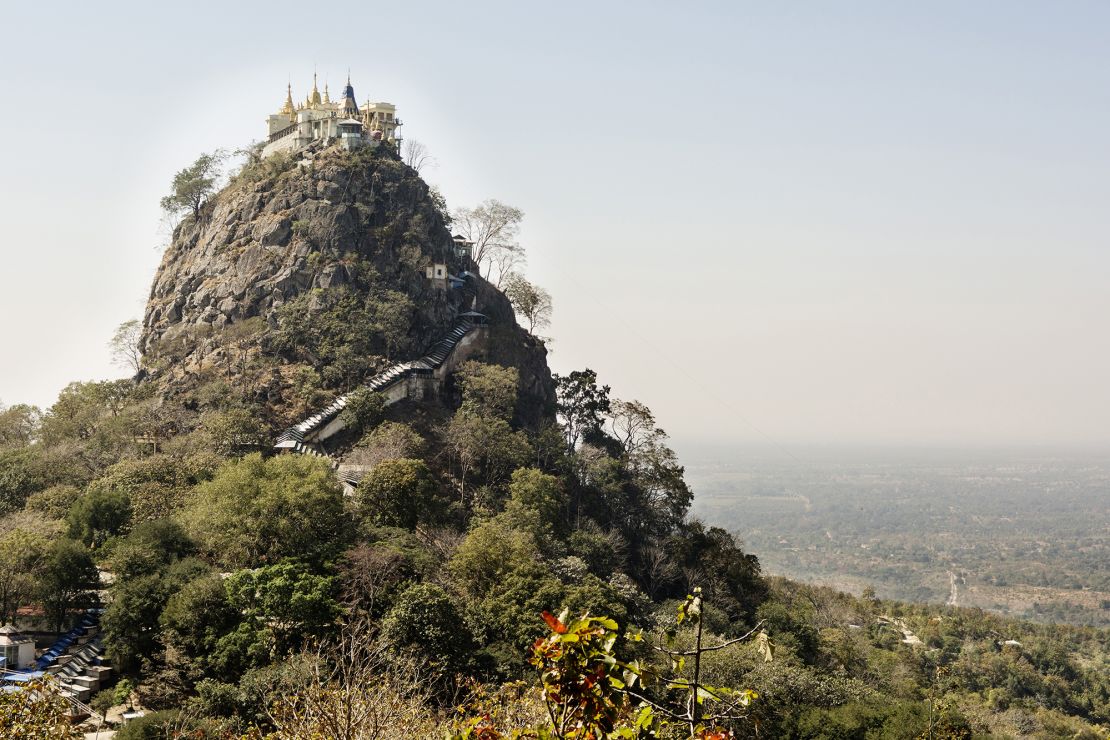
(350, 106)
(314, 97)
(9, 635)
(288, 107)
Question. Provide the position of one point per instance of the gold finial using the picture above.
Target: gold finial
(314, 99)
(288, 107)
(327, 98)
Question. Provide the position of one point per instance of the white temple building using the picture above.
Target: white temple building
(342, 121)
(16, 651)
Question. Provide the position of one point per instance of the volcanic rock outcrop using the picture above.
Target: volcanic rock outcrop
(319, 261)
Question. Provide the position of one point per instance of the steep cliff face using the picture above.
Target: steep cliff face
(317, 263)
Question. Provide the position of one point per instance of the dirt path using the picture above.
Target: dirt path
(953, 590)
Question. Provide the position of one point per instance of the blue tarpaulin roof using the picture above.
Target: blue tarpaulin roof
(22, 676)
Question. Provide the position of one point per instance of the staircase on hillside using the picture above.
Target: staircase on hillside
(74, 660)
(305, 437)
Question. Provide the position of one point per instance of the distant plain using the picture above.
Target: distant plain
(1022, 533)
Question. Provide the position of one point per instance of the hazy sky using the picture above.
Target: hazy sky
(855, 222)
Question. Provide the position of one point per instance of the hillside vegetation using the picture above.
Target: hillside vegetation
(518, 561)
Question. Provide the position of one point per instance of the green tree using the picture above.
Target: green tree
(307, 388)
(149, 548)
(530, 301)
(22, 558)
(257, 510)
(33, 469)
(111, 396)
(389, 440)
(398, 493)
(662, 494)
(501, 571)
(581, 404)
(166, 723)
(68, 580)
(55, 501)
(484, 447)
(644, 492)
(195, 620)
(363, 410)
(491, 550)
(156, 484)
(19, 424)
(233, 431)
(102, 701)
(90, 413)
(99, 514)
(424, 619)
(731, 576)
(340, 331)
(193, 185)
(131, 619)
(293, 602)
(488, 390)
(537, 491)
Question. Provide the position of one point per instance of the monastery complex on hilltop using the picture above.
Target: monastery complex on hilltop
(319, 118)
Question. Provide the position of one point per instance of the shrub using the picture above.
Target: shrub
(256, 511)
(398, 493)
(99, 514)
(425, 620)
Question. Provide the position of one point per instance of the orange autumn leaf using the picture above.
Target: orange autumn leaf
(553, 622)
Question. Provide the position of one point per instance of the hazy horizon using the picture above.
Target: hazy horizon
(882, 225)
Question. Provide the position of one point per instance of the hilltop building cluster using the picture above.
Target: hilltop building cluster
(319, 118)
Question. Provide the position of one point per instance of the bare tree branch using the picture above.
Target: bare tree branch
(125, 345)
(493, 228)
(417, 155)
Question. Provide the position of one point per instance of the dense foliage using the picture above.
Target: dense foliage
(232, 573)
(254, 595)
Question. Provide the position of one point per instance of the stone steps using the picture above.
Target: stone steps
(295, 438)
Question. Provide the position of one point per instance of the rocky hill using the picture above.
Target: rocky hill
(408, 569)
(318, 263)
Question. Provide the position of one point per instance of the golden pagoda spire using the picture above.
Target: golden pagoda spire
(288, 107)
(314, 99)
(327, 98)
